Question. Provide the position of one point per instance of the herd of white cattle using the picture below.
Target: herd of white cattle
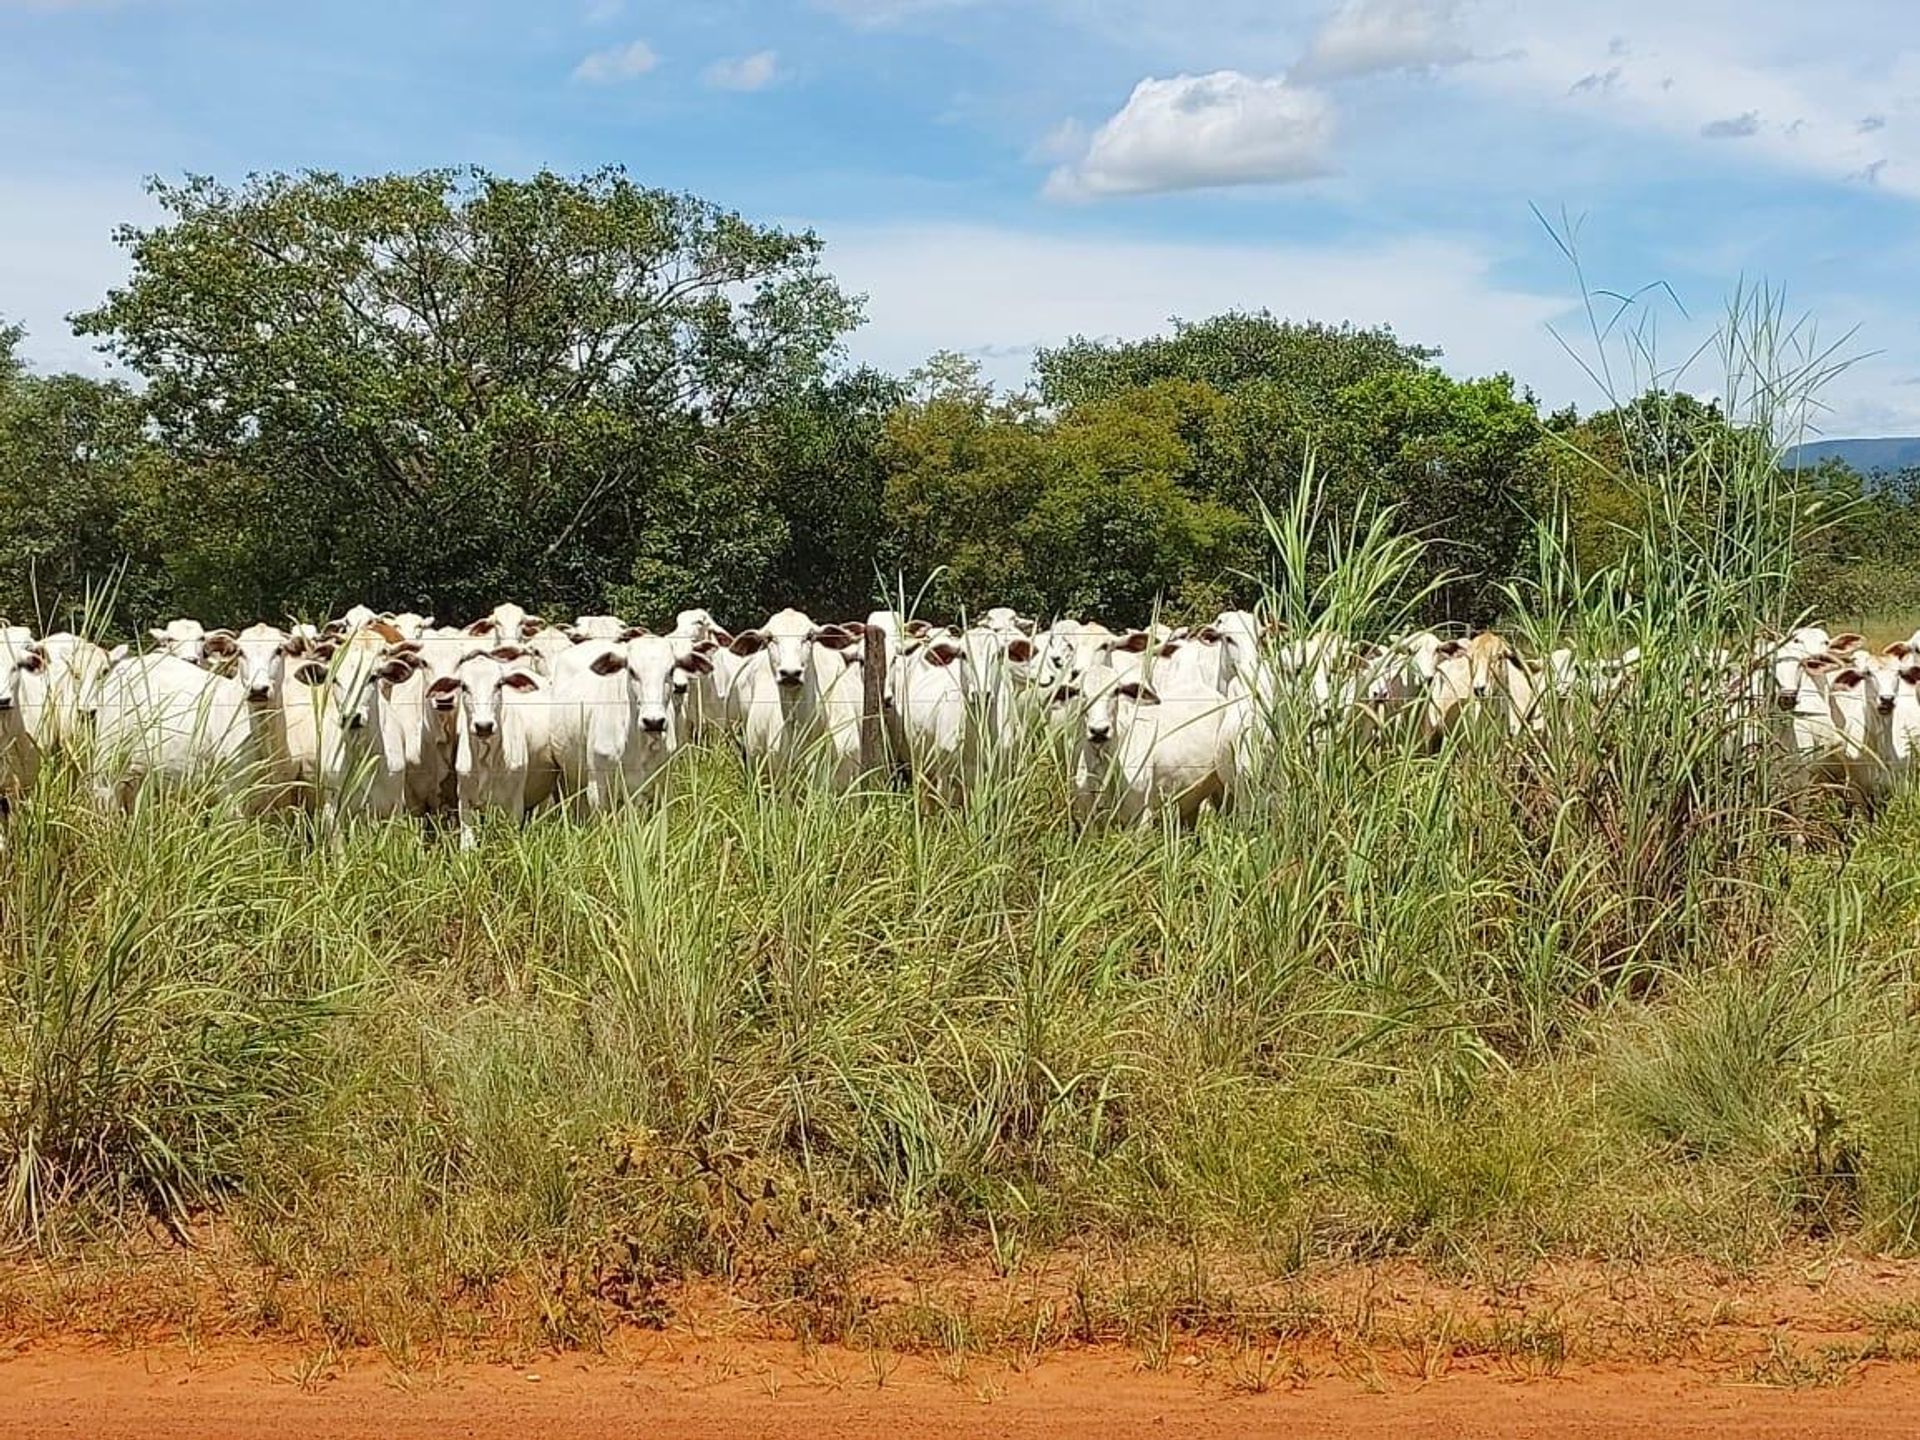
(387, 714)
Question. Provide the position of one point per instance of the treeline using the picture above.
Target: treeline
(434, 391)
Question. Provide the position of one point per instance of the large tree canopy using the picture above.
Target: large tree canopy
(434, 391)
(435, 388)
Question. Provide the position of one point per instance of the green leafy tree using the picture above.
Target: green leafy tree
(1310, 360)
(438, 389)
(74, 465)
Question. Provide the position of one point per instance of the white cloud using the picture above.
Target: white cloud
(1002, 293)
(747, 72)
(1365, 36)
(617, 63)
(1193, 132)
(998, 293)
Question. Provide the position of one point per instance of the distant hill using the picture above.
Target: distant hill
(1887, 456)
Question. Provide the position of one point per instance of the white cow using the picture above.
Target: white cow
(24, 711)
(357, 617)
(409, 625)
(1147, 753)
(363, 737)
(430, 724)
(507, 624)
(545, 647)
(939, 731)
(76, 669)
(1863, 694)
(284, 733)
(602, 627)
(1008, 622)
(620, 714)
(798, 702)
(503, 762)
(708, 695)
(167, 720)
(184, 638)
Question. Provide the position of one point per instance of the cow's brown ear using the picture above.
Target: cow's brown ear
(1020, 649)
(942, 653)
(747, 642)
(608, 662)
(1135, 643)
(521, 680)
(695, 662)
(311, 672)
(836, 637)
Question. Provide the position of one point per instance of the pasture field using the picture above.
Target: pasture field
(1609, 993)
(1411, 1008)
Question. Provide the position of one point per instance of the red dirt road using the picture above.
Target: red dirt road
(708, 1390)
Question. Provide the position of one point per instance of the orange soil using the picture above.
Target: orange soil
(737, 1391)
(1819, 1344)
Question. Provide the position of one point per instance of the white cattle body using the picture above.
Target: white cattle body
(545, 647)
(76, 669)
(1067, 648)
(938, 731)
(429, 727)
(363, 749)
(1863, 694)
(619, 715)
(184, 638)
(708, 695)
(798, 701)
(503, 762)
(1146, 753)
(357, 617)
(602, 627)
(284, 733)
(507, 624)
(166, 720)
(1788, 703)
(1483, 673)
(1005, 620)
(697, 625)
(24, 711)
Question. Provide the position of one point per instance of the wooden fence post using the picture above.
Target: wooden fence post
(873, 720)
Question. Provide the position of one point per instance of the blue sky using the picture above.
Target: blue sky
(996, 174)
